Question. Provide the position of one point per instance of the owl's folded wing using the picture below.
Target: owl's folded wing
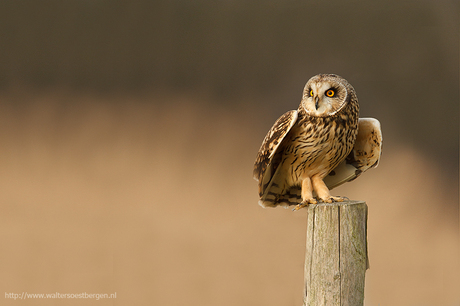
(365, 155)
(264, 167)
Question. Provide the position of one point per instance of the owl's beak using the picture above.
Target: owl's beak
(316, 102)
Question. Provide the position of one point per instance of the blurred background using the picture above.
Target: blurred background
(129, 129)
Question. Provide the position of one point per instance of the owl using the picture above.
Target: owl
(317, 147)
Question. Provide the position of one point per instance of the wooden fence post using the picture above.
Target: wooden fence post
(336, 256)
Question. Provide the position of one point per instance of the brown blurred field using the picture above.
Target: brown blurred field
(128, 132)
(156, 202)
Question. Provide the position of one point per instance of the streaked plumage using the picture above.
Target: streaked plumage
(315, 148)
(364, 156)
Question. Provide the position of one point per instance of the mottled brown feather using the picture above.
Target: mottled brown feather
(364, 156)
(272, 142)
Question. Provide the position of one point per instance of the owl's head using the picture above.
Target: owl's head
(326, 94)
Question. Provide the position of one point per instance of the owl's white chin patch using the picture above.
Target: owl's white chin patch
(318, 113)
(323, 110)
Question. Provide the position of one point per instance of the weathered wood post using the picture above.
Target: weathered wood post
(336, 257)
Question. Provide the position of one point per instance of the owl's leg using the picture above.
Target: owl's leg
(307, 194)
(322, 191)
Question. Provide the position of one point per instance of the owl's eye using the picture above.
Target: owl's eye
(311, 93)
(330, 93)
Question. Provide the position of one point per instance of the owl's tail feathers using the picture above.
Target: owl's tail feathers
(273, 190)
(276, 196)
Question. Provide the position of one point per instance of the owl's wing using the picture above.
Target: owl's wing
(365, 154)
(265, 167)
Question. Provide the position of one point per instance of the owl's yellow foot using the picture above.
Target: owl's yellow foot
(305, 203)
(307, 194)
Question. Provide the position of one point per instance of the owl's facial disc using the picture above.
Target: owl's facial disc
(322, 99)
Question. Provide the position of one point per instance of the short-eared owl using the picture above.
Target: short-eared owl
(317, 147)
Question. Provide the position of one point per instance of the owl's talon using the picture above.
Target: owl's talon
(305, 204)
(299, 206)
(333, 199)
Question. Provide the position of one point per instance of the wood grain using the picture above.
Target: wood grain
(336, 254)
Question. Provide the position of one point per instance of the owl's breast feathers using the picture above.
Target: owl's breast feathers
(320, 143)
